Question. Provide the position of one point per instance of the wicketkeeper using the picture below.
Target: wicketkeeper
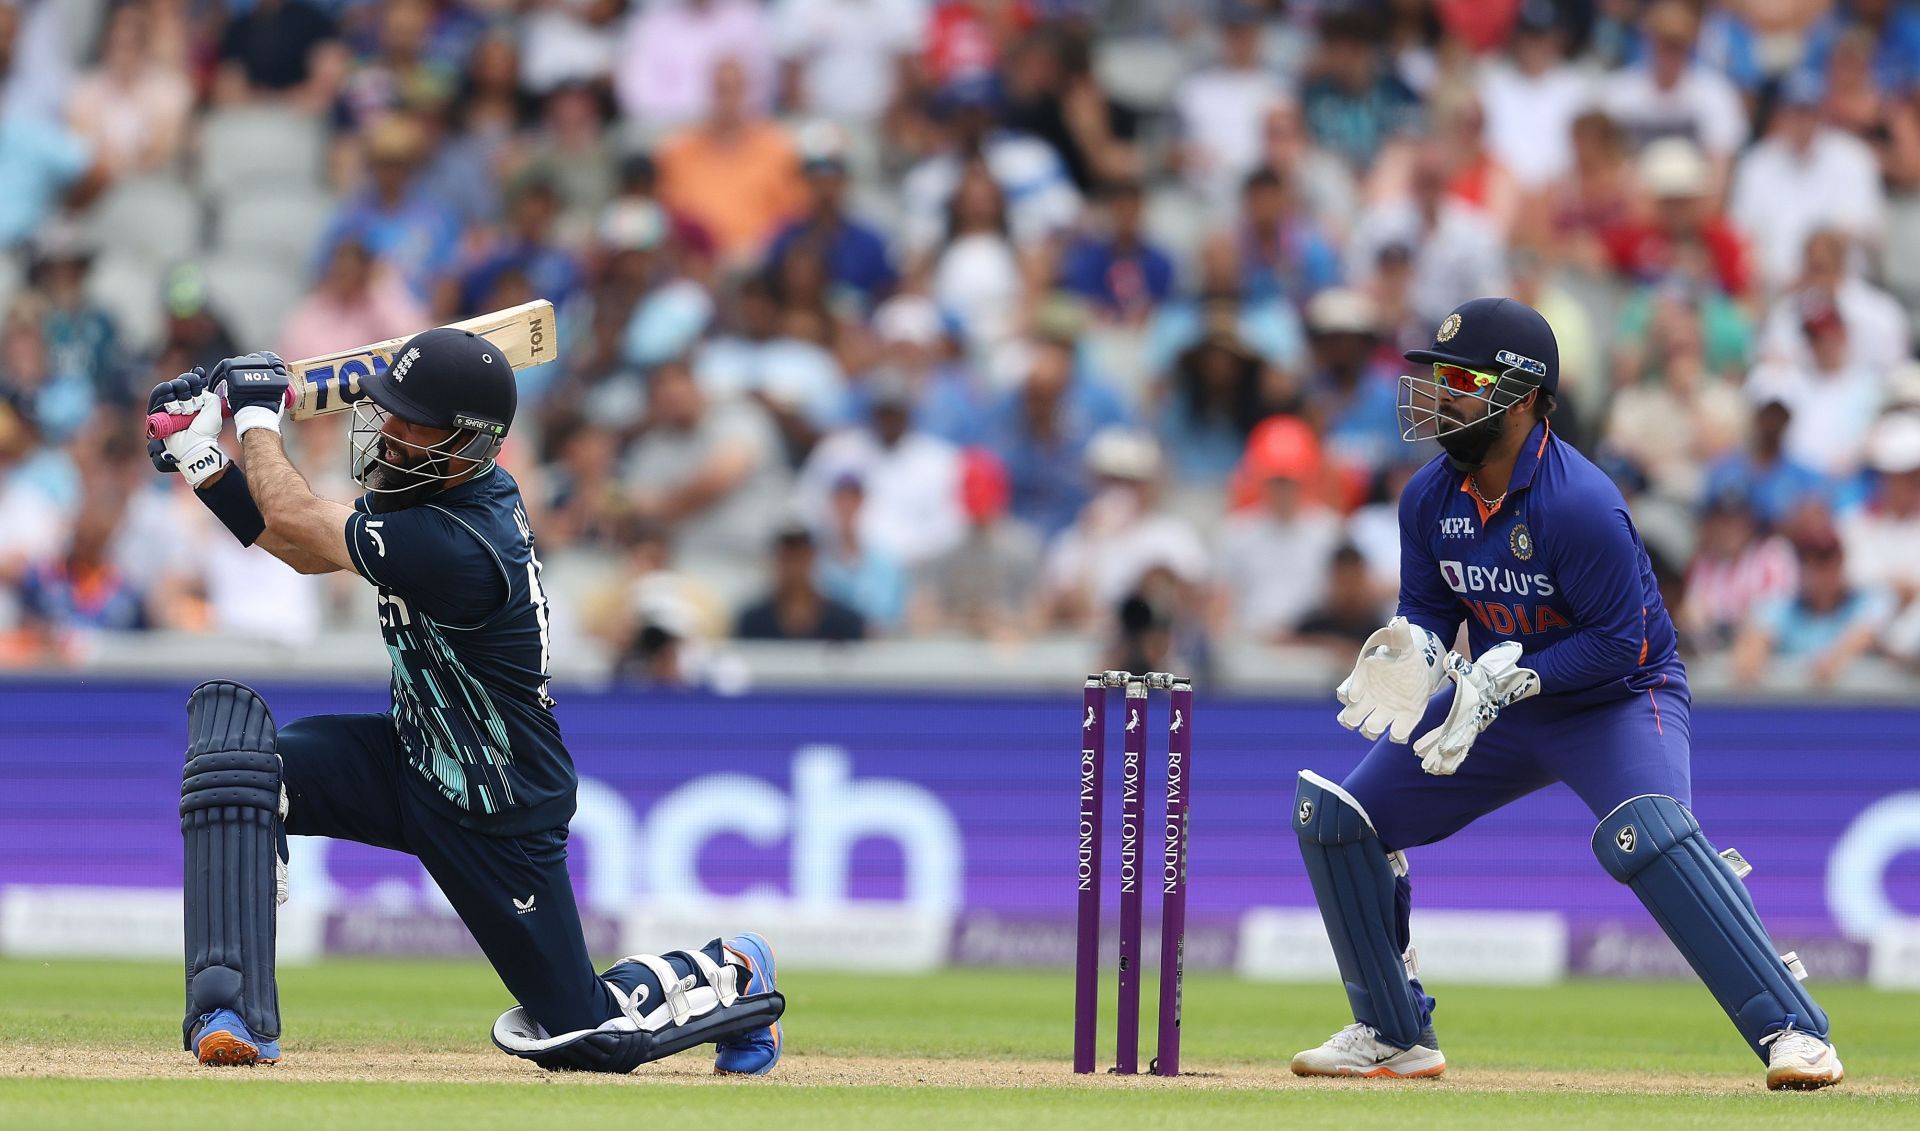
(1573, 679)
(467, 771)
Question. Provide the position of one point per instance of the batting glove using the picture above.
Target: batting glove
(1481, 690)
(255, 387)
(193, 451)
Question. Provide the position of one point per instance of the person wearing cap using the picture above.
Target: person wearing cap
(1882, 539)
(856, 254)
(982, 586)
(911, 507)
(1271, 557)
(1347, 392)
(467, 770)
(1571, 675)
(1802, 176)
(1684, 234)
(1834, 398)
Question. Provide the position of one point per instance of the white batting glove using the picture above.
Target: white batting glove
(1482, 689)
(195, 449)
(1398, 671)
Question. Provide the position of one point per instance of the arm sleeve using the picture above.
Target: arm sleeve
(1425, 597)
(432, 559)
(1597, 565)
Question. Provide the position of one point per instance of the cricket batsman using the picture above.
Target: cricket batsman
(1574, 678)
(467, 771)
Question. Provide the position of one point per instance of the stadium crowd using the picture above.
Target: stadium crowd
(987, 318)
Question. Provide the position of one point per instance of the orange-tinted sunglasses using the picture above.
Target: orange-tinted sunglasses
(1463, 380)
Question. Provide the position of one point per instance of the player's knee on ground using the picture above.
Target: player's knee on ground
(230, 811)
(668, 1003)
(1655, 846)
(1355, 883)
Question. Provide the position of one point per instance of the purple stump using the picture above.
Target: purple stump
(1173, 878)
(1093, 767)
(1127, 1028)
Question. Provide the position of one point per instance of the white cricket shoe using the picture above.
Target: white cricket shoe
(1357, 1050)
(1801, 1061)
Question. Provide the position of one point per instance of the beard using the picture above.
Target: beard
(1467, 447)
(395, 485)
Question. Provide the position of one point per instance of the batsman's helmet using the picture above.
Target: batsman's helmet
(1507, 348)
(441, 378)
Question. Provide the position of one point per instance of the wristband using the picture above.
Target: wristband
(255, 416)
(232, 503)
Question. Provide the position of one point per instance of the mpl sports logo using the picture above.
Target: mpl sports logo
(1458, 526)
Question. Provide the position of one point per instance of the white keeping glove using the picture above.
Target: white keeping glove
(1398, 671)
(1481, 689)
(195, 449)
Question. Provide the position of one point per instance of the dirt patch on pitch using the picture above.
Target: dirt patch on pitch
(337, 1065)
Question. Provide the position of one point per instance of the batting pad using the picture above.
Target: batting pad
(229, 816)
(1652, 844)
(1353, 881)
(700, 1008)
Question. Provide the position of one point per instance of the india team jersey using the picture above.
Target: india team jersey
(465, 622)
(1556, 566)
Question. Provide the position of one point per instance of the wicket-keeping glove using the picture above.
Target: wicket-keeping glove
(1398, 671)
(1481, 690)
(256, 389)
(194, 451)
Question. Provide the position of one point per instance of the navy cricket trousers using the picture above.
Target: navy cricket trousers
(345, 779)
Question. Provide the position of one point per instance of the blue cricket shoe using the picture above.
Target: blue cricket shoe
(224, 1039)
(754, 1053)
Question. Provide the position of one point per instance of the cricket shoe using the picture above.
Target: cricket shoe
(756, 1052)
(1800, 1061)
(1357, 1050)
(224, 1039)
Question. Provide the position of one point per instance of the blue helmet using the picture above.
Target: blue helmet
(1501, 336)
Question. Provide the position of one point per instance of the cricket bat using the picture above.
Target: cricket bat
(331, 383)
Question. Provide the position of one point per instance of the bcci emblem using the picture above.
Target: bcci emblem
(1448, 328)
(1520, 541)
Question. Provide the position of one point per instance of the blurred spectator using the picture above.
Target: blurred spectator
(1532, 98)
(667, 70)
(1822, 627)
(1737, 568)
(1672, 412)
(1215, 395)
(982, 585)
(1266, 323)
(1882, 540)
(864, 577)
(1273, 557)
(910, 480)
(1119, 537)
(1576, 213)
(1801, 177)
(357, 300)
(1350, 611)
(758, 358)
(1477, 175)
(81, 335)
(1221, 109)
(1320, 182)
(82, 591)
(796, 609)
(568, 41)
(669, 310)
(400, 220)
(1684, 235)
(1878, 335)
(1112, 264)
(1671, 95)
(1284, 253)
(1052, 94)
(529, 246)
(286, 50)
(42, 164)
(1354, 103)
(59, 400)
(132, 107)
(1351, 400)
(966, 38)
(1040, 198)
(1855, 101)
(1892, 29)
(572, 148)
(734, 172)
(38, 492)
(847, 60)
(977, 274)
(583, 497)
(1457, 253)
(709, 469)
(856, 255)
(192, 331)
(1778, 482)
(402, 70)
(1041, 431)
(1834, 399)
(1532, 279)
(915, 340)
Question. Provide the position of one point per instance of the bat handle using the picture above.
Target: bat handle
(160, 425)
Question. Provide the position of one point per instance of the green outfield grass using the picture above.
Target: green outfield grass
(1606, 1053)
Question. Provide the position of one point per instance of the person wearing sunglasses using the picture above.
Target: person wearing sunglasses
(1573, 678)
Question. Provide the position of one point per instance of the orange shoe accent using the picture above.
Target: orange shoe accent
(221, 1048)
(1422, 1073)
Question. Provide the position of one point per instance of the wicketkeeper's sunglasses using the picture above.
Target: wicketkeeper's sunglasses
(1463, 380)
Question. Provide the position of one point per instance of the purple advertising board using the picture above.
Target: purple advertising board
(966, 805)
